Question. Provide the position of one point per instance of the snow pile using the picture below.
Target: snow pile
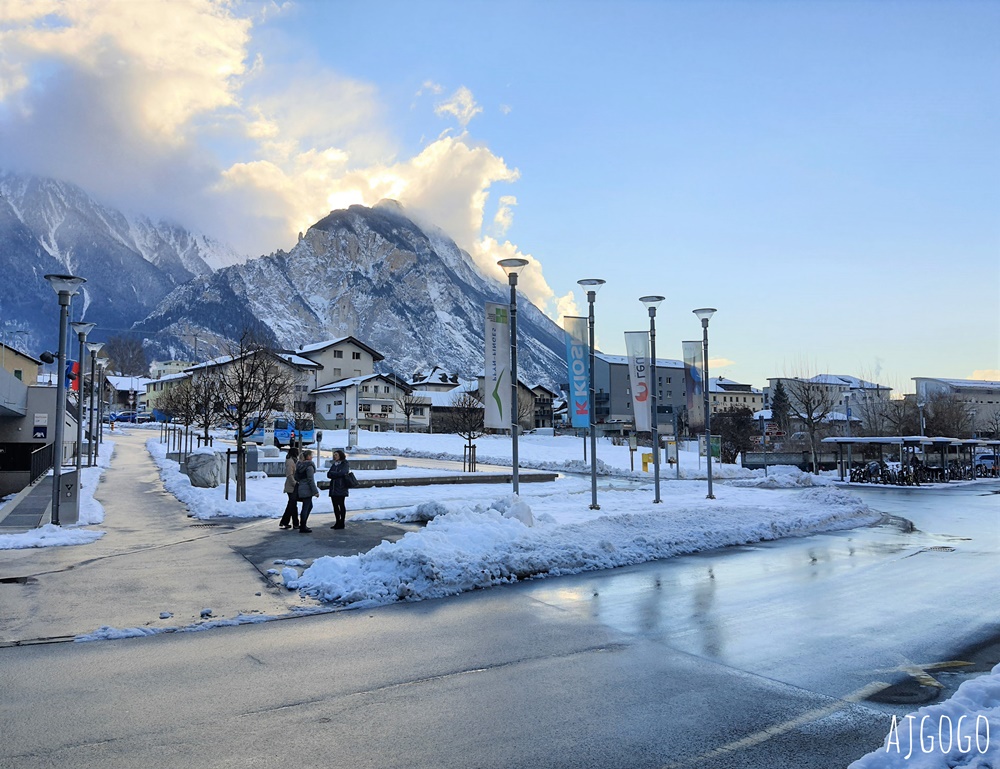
(469, 547)
(108, 633)
(963, 731)
(49, 536)
(781, 477)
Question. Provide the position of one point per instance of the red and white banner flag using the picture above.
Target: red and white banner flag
(637, 349)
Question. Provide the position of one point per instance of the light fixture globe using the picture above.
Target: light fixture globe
(592, 284)
(512, 266)
(81, 329)
(95, 347)
(65, 284)
(704, 314)
(651, 302)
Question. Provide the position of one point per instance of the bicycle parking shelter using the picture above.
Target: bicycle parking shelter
(912, 468)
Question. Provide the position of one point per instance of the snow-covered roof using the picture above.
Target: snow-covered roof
(127, 383)
(844, 380)
(723, 385)
(433, 375)
(170, 377)
(320, 346)
(975, 384)
(623, 360)
(298, 360)
(346, 384)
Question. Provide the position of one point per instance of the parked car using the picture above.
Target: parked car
(124, 416)
(985, 464)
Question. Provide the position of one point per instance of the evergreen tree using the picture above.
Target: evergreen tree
(780, 406)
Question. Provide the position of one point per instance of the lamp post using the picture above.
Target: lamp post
(704, 315)
(512, 267)
(102, 366)
(81, 329)
(592, 285)
(652, 302)
(94, 347)
(65, 287)
(847, 415)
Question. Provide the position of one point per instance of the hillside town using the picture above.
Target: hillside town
(337, 384)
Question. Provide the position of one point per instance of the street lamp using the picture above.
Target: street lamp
(847, 415)
(513, 267)
(65, 287)
(81, 329)
(652, 302)
(102, 367)
(94, 347)
(704, 315)
(592, 286)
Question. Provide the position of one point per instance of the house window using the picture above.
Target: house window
(327, 408)
(338, 353)
(338, 403)
(336, 372)
(418, 411)
(386, 408)
(364, 389)
(355, 356)
(387, 389)
(365, 407)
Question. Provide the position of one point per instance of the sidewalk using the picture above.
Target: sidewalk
(155, 559)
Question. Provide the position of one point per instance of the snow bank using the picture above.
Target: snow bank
(464, 547)
(963, 731)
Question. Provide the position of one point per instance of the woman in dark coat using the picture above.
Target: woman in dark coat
(290, 517)
(339, 491)
(305, 481)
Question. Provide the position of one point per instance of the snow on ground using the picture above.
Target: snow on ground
(480, 535)
(963, 731)
(91, 512)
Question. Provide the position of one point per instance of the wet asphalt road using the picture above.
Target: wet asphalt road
(763, 656)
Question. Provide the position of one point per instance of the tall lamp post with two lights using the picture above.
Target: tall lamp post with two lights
(592, 286)
(652, 302)
(513, 267)
(81, 329)
(66, 287)
(94, 347)
(704, 315)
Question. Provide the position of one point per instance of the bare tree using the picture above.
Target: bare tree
(126, 356)
(947, 416)
(408, 403)
(252, 384)
(525, 411)
(990, 427)
(810, 402)
(465, 417)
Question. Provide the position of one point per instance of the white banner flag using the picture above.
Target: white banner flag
(497, 394)
(637, 349)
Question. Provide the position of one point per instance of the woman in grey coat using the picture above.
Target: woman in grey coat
(339, 490)
(305, 481)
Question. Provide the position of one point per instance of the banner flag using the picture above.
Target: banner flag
(578, 361)
(637, 349)
(497, 394)
(692, 384)
(72, 375)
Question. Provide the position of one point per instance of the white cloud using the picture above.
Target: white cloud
(987, 374)
(504, 216)
(461, 105)
(166, 107)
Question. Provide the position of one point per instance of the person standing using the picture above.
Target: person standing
(339, 490)
(291, 515)
(305, 482)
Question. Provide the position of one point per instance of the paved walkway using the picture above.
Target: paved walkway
(154, 559)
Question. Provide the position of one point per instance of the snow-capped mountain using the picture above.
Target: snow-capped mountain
(373, 273)
(130, 262)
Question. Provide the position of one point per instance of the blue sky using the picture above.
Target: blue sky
(826, 174)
